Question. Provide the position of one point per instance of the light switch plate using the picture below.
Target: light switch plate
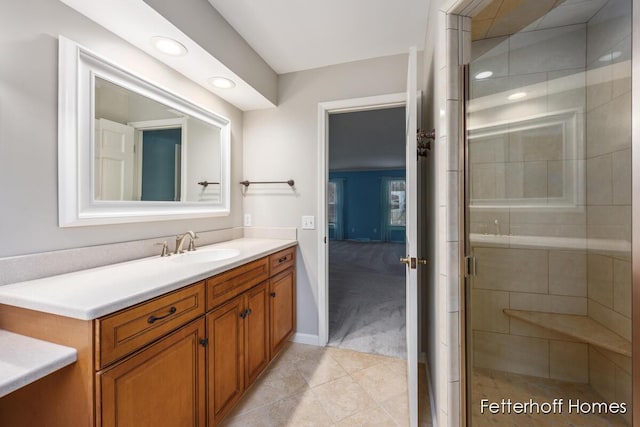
(308, 223)
(247, 220)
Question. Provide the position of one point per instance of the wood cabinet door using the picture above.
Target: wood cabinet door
(282, 292)
(161, 385)
(225, 361)
(256, 327)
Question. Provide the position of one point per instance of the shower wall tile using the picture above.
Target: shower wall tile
(565, 90)
(521, 270)
(621, 68)
(548, 303)
(622, 362)
(487, 314)
(622, 287)
(621, 166)
(600, 282)
(568, 273)
(569, 361)
(607, 28)
(609, 127)
(522, 355)
(514, 176)
(488, 149)
(483, 221)
(555, 178)
(610, 319)
(624, 391)
(490, 54)
(609, 222)
(547, 50)
(541, 222)
(534, 179)
(600, 180)
(599, 85)
(602, 374)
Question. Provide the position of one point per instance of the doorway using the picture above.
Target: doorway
(366, 229)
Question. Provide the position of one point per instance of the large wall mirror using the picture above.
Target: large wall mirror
(131, 151)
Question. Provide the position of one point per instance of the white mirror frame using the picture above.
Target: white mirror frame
(78, 68)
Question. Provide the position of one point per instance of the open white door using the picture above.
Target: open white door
(412, 236)
(114, 161)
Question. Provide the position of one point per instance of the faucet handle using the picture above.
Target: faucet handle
(192, 243)
(165, 249)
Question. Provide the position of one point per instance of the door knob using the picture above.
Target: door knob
(413, 262)
(410, 261)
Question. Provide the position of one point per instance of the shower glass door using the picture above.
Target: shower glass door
(548, 165)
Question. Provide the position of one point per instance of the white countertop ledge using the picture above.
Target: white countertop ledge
(89, 294)
(24, 360)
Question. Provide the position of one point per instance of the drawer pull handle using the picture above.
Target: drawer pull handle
(283, 259)
(248, 311)
(152, 319)
(243, 314)
(273, 294)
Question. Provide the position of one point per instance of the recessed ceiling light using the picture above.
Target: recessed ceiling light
(168, 46)
(484, 75)
(516, 95)
(610, 56)
(222, 82)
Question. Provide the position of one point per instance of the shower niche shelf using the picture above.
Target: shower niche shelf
(582, 328)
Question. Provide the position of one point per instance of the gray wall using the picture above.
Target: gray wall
(28, 129)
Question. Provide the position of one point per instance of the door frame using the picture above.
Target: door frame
(324, 109)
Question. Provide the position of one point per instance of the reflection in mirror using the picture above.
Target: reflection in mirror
(147, 151)
(132, 151)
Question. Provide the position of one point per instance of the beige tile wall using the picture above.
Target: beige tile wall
(608, 137)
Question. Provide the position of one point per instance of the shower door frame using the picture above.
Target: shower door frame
(635, 212)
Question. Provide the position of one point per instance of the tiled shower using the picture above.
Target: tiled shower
(549, 162)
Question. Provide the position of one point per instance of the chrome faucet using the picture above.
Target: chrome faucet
(180, 242)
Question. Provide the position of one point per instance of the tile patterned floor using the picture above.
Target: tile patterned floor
(325, 386)
(496, 385)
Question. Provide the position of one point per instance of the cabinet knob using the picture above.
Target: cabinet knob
(204, 342)
(273, 294)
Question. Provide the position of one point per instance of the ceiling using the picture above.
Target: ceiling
(294, 35)
(366, 140)
(506, 17)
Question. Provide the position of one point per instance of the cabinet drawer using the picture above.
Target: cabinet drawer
(282, 260)
(223, 287)
(125, 331)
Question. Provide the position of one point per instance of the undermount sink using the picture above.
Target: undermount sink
(205, 255)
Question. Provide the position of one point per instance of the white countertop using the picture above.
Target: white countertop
(24, 360)
(89, 294)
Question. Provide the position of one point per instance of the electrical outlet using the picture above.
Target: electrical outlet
(308, 223)
(247, 220)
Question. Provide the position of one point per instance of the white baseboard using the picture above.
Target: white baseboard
(301, 338)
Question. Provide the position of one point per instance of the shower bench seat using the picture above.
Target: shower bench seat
(579, 327)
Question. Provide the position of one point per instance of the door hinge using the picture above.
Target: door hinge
(325, 240)
(469, 266)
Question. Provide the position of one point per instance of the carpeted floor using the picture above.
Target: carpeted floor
(367, 297)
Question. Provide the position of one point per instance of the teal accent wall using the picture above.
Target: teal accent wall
(159, 163)
(362, 210)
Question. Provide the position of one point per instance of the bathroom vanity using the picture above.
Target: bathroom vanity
(159, 341)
